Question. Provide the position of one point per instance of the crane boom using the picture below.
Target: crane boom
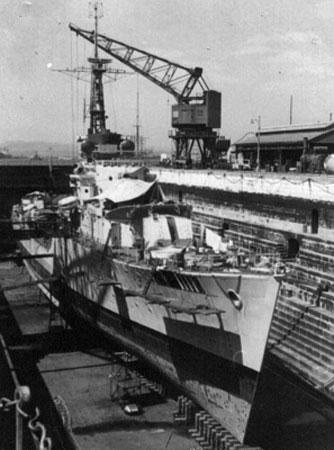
(178, 80)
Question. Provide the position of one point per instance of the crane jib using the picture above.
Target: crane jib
(178, 80)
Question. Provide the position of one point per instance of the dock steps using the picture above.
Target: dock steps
(301, 336)
(185, 412)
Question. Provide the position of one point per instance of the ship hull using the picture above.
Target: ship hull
(205, 362)
(222, 388)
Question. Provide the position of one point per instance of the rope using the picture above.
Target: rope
(310, 181)
(77, 85)
(72, 100)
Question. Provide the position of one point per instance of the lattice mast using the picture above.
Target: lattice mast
(98, 68)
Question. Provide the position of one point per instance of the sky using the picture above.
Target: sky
(257, 53)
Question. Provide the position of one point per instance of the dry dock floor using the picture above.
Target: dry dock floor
(80, 376)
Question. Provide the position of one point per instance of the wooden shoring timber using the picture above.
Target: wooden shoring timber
(18, 257)
(109, 283)
(27, 284)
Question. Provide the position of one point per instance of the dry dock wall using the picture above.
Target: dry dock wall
(304, 186)
(29, 174)
(294, 215)
(267, 206)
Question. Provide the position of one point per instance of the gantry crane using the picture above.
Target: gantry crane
(194, 117)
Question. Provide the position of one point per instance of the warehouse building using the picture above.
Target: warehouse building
(300, 148)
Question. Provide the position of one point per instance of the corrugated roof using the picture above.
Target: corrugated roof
(279, 137)
(305, 127)
(286, 135)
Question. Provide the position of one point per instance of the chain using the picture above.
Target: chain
(38, 430)
(6, 404)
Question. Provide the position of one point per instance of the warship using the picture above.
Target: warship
(117, 255)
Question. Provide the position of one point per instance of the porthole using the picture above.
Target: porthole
(235, 298)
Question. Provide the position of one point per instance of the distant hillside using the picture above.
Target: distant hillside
(43, 149)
